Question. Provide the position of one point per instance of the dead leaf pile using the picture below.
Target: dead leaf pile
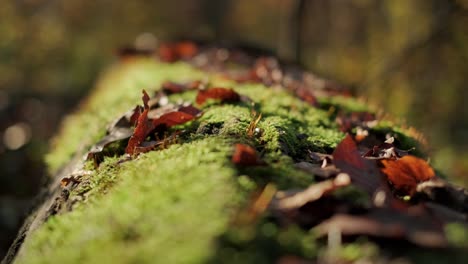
(406, 200)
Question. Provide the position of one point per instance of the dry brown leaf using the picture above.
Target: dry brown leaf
(406, 173)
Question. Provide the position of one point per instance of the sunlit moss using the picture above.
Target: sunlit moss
(118, 91)
(183, 199)
(164, 203)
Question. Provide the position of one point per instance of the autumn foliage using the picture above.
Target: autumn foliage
(406, 173)
(217, 93)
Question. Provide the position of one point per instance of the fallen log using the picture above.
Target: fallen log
(229, 157)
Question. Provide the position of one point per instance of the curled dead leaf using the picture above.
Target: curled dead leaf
(406, 173)
(172, 115)
(143, 127)
(217, 93)
(145, 98)
(166, 116)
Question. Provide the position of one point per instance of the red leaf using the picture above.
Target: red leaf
(136, 112)
(407, 172)
(245, 155)
(171, 116)
(364, 173)
(218, 93)
(147, 122)
(142, 129)
(145, 98)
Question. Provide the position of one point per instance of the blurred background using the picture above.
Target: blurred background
(409, 57)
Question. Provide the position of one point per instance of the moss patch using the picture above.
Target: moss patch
(176, 205)
(159, 207)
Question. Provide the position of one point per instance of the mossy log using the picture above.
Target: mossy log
(188, 202)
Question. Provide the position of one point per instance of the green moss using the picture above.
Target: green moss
(164, 203)
(98, 181)
(175, 205)
(117, 92)
(232, 120)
